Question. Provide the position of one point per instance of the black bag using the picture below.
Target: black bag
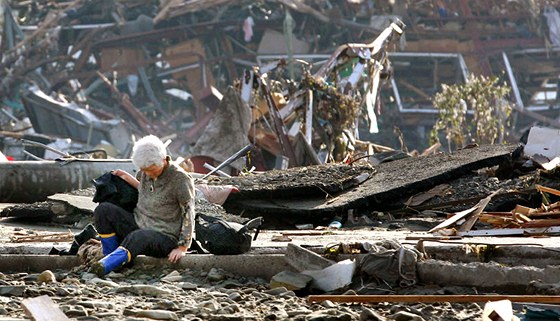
(113, 189)
(220, 237)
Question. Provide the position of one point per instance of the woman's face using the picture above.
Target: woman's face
(153, 171)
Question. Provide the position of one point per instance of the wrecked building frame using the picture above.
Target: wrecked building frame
(166, 26)
(414, 107)
(340, 96)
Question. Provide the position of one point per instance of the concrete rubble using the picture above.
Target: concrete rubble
(443, 264)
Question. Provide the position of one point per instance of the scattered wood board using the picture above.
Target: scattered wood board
(544, 189)
(542, 223)
(513, 231)
(420, 198)
(42, 308)
(51, 237)
(475, 215)
(434, 298)
(454, 219)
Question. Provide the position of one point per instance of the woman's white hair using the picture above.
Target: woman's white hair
(148, 150)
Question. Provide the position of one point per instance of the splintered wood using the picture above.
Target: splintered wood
(43, 237)
(521, 220)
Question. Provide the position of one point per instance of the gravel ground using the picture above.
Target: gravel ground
(197, 295)
(163, 293)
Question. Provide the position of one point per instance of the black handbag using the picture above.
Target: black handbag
(221, 237)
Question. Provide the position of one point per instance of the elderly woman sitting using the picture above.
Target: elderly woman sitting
(162, 222)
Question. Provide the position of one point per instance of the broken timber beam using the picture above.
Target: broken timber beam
(434, 298)
(128, 107)
(466, 226)
(549, 190)
(550, 121)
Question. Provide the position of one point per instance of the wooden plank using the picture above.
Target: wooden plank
(42, 308)
(433, 238)
(513, 231)
(127, 105)
(454, 219)
(496, 220)
(522, 209)
(474, 216)
(500, 214)
(420, 198)
(543, 214)
(165, 7)
(521, 218)
(542, 223)
(549, 190)
(47, 237)
(434, 298)
(431, 150)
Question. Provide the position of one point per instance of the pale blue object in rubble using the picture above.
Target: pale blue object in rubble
(335, 224)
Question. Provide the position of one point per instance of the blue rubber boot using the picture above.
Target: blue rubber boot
(114, 260)
(109, 242)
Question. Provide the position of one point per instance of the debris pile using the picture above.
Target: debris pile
(92, 77)
(86, 77)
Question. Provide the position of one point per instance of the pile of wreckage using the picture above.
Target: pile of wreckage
(488, 190)
(78, 87)
(233, 86)
(91, 77)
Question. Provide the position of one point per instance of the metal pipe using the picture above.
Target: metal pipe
(230, 160)
(54, 150)
(212, 168)
(513, 82)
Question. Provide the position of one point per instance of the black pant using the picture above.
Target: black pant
(110, 218)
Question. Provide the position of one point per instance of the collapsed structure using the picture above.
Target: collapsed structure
(308, 83)
(104, 72)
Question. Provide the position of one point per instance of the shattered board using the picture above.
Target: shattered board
(272, 192)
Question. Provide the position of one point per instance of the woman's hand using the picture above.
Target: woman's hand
(127, 177)
(176, 255)
(119, 172)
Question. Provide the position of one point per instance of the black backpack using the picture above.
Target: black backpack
(220, 237)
